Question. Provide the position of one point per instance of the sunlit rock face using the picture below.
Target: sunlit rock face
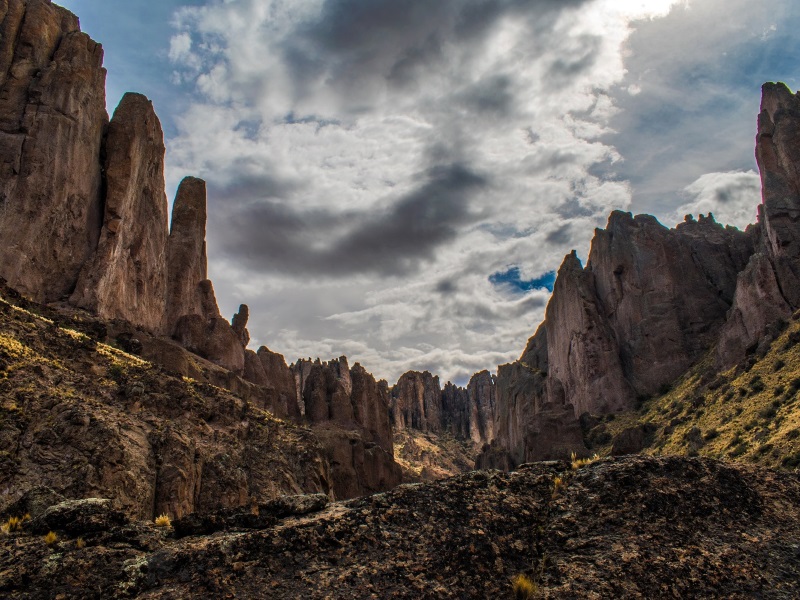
(127, 275)
(52, 121)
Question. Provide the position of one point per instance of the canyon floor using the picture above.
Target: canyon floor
(630, 527)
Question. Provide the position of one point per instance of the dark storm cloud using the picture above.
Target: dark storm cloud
(560, 236)
(273, 236)
(446, 287)
(354, 43)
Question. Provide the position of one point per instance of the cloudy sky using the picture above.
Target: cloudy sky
(397, 180)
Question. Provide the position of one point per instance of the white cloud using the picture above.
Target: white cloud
(731, 197)
(318, 126)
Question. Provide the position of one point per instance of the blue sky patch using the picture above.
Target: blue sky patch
(512, 279)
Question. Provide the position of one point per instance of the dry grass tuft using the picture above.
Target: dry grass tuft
(163, 521)
(524, 588)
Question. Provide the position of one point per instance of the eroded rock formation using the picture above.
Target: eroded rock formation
(769, 289)
(52, 120)
(127, 276)
(349, 412)
(652, 300)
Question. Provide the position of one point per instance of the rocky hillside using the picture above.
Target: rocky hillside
(651, 303)
(749, 413)
(84, 223)
(82, 416)
(635, 527)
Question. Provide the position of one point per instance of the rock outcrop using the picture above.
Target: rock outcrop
(52, 121)
(769, 289)
(349, 412)
(438, 432)
(417, 402)
(649, 302)
(127, 276)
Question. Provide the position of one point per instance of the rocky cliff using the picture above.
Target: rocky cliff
(83, 219)
(651, 302)
(52, 124)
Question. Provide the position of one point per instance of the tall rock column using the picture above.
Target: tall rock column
(778, 157)
(187, 263)
(769, 288)
(52, 118)
(127, 276)
(192, 313)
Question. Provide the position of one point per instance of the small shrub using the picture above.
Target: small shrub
(558, 485)
(80, 543)
(14, 524)
(778, 365)
(739, 450)
(764, 449)
(163, 521)
(577, 463)
(711, 434)
(116, 372)
(792, 434)
(524, 588)
(767, 413)
(51, 538)
(779, 390)
(792, 461)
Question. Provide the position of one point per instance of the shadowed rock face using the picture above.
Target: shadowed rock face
(349, 412)
(52, 119)
(417, 402)
(127, 276)
(769, 289)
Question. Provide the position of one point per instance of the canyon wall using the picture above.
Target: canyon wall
(83, 219)
(651, 301)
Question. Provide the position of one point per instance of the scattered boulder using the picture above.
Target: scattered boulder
(76, 517)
